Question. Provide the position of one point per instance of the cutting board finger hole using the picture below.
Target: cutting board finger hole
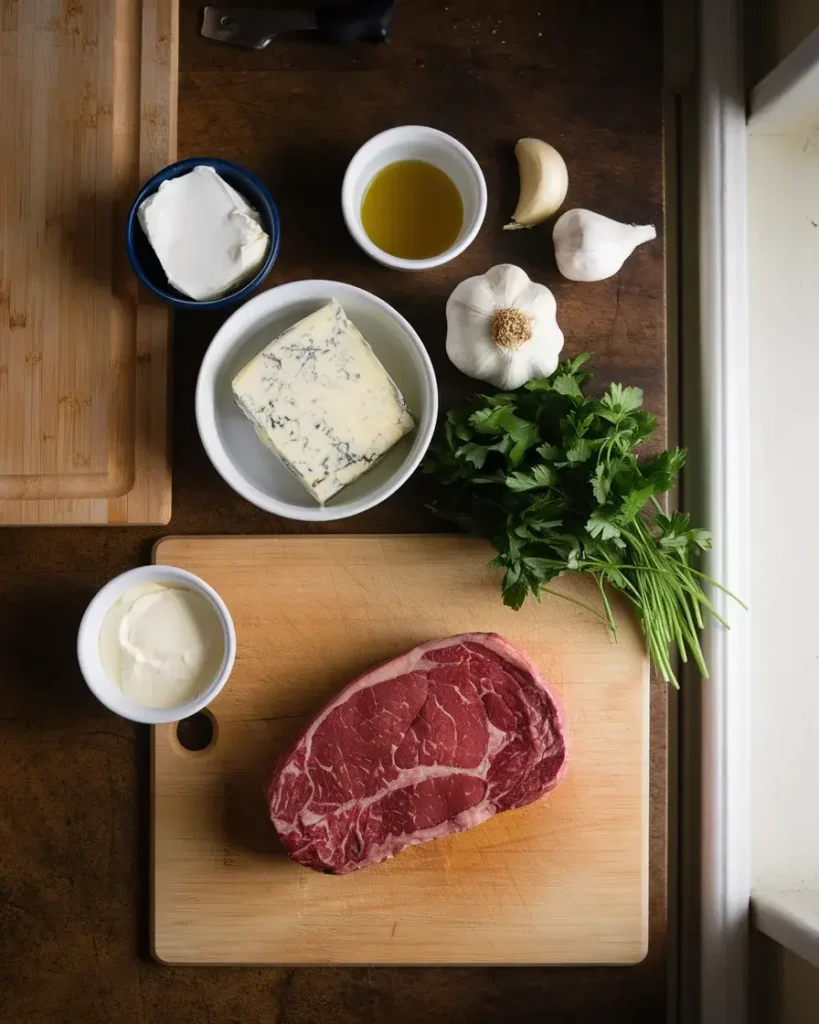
(197, 734)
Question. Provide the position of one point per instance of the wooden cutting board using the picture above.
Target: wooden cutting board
(561, 881)
(88, 112)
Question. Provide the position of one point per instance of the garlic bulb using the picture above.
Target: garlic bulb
(591, 247)
(502, 328)
(544, 182)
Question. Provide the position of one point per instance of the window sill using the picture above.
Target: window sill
(789, 917)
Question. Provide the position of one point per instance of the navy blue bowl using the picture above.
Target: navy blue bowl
(144, 261)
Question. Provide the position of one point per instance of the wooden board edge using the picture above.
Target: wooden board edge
(404, 965)
(645, 866)
(152, 852)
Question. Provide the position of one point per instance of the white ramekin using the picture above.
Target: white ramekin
(414, 142)
(249, 466)
(88, 646)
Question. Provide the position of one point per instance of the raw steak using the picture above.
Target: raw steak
(434, 742)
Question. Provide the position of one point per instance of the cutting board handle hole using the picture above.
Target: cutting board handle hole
(197, 733)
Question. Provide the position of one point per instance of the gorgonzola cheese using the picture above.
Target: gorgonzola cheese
(320, 400)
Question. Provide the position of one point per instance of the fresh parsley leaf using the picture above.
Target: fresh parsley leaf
(577, 424)
(675, 541)
(662, 469)
(622, 400)
(491, 419)
(673, 524)
(550, 452)
(473, 453)
(601, 527)
(581, 451)
(542, 569)
(457, 426)
(572, 366)
(495, 478)
(502, 445)
(635, 501)
(568, 385)
(539, 384)
(513, 574)
(515, 594)
(601, 484)
(641, 425)
(523, 432)
(525, 436)
(573, 559)
(537, 478)
(499, 399)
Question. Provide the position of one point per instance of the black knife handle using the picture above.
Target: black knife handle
(369, 21)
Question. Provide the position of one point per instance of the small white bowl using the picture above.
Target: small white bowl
(415, 142)
(88, 645)
(250, 468)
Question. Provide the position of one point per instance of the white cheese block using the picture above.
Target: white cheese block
(321, 400)
(207, 237)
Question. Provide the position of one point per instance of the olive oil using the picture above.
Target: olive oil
(412, 210)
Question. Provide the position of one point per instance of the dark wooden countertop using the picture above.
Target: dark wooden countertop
(586, 76)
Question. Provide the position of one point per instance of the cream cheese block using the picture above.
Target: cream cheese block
(322, 402)
(207, 237)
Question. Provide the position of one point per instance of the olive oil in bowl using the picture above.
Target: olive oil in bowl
(413, 210)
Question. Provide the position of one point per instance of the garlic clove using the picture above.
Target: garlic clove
(544, 182)
(591, 247)
(504, 284)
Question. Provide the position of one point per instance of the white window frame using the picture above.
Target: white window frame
(721, 889)
(723, 399)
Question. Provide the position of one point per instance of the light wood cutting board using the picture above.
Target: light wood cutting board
(561, 881)
(88, 112)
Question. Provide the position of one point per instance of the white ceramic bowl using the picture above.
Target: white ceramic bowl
(88, 648)
(414, 142)
(250, 468)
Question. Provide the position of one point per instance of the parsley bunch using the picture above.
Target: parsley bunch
(550, 476)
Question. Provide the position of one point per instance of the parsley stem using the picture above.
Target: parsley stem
(707, 579)
(606, 605)
(581, 604)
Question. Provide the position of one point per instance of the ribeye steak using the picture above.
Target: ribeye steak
(434, 742)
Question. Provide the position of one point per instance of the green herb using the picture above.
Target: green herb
(551, 477)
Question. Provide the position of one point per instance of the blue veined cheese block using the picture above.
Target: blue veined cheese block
(320, 400)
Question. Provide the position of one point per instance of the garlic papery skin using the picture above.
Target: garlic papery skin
(544, 182)
(591, 247)
(502, 328)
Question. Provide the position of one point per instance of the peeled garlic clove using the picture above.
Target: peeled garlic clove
(591, 247)
(544, 182)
